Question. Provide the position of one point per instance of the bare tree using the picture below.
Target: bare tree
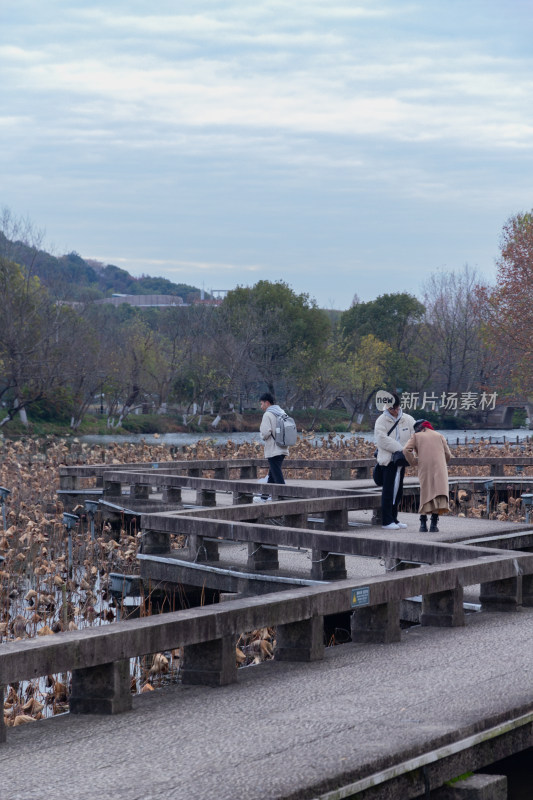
(452, 341)
(17, 233)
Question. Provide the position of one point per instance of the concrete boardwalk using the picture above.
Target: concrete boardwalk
(290, 730)
(285, 730)
(452, 529)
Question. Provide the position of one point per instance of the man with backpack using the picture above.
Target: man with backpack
(272, 431)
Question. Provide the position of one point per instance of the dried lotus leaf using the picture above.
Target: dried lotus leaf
(22, 719)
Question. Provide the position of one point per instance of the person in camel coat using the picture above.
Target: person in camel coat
(429, 450)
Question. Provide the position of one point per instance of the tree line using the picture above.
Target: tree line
(461, 334)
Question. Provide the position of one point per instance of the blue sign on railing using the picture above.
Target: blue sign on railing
(361, 596)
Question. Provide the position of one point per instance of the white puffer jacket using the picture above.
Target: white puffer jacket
(387, 445)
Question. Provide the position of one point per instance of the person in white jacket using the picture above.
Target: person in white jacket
(273, 452)
(392, 431)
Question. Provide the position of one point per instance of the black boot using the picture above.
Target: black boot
(433, 527)
(423, 523)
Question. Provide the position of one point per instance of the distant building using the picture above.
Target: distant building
(217, 296)
(143, 300)
(213, 301)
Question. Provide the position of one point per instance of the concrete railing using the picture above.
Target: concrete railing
(99, 657)
(72, 478)
(205, 529)
(169, 486)
(202, 525)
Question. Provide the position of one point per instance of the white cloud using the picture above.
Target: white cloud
(344, 86)
(135, 109)
(235, 19)
(204, 94)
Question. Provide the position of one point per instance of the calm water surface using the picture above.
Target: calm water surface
(498, 436)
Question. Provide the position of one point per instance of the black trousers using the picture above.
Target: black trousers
(389, 509)
(275, 475)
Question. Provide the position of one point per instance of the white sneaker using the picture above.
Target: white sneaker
(392, 526)
(259, 499)
(401, 524)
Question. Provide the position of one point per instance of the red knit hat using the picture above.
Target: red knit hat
(422, 423)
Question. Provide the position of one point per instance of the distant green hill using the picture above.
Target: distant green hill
(70, 277)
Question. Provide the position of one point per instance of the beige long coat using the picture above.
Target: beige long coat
(430, 452)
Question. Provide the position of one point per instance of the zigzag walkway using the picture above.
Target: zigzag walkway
(394, 714)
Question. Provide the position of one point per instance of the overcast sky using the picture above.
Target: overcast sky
(343, 147)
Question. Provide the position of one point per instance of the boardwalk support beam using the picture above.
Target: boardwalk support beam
(295, 521)
(140, 491)
(104, 689)
(504, 595)
(171, 494)
(2, 723)
(300, 641)
(206, 497)
(328, 566)
(112, 489)
(262, 558)
(443, 609)
(336, 520)
(210, 663)
(203, 549)
(242, 498)
(527, 590)
(248, 473)
(377, 624)
(69, 482)
(154, 542)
